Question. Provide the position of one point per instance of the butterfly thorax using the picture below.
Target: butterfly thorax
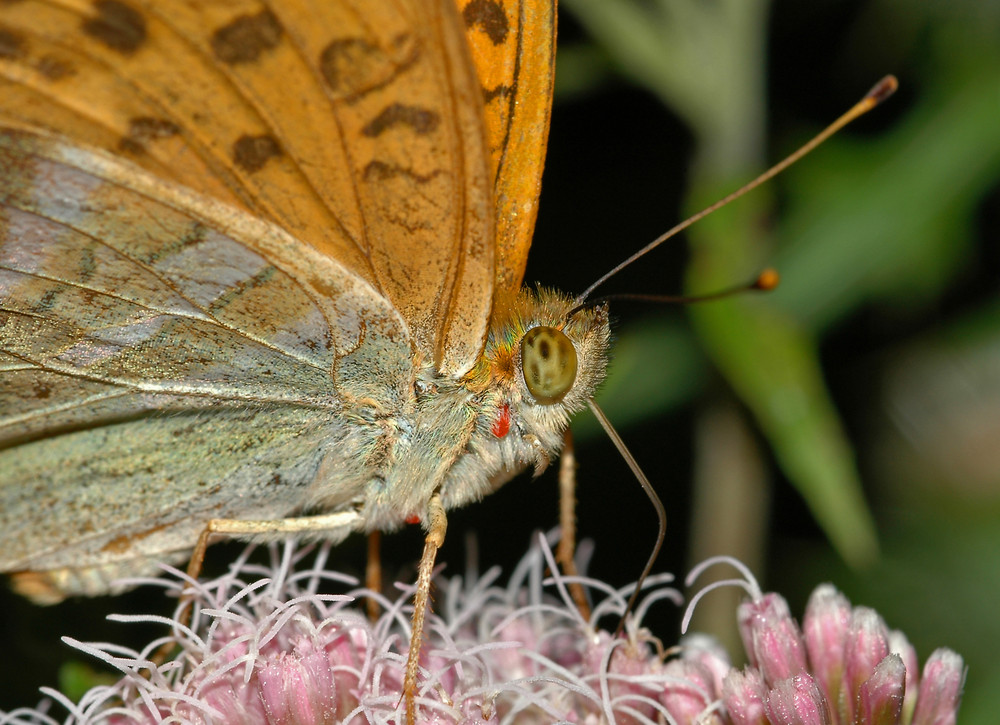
(466, 437)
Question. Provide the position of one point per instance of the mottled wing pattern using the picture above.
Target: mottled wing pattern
(108, 296)
(513, 48)
(143, 368)
(356, 126)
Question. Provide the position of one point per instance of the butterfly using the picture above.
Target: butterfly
(260, 269)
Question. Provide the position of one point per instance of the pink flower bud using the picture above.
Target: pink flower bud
(899, 644)
(866, 645)
(772, 638)
(688, 691)
(824, 629)
(297, 690)
(940, 689)
(797, 701)
(744, 695)
(880, 700)
(711, 655)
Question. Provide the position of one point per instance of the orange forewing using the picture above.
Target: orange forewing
(513, 48)
(372, 140)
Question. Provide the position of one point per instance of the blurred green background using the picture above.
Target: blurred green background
(844, 428)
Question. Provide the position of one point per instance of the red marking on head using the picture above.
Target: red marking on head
(501, 425)
(413, 519)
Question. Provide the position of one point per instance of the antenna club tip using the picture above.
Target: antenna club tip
(883, 89)
(767, 280)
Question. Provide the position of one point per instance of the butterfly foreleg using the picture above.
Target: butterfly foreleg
(437, 525)
(542, 457)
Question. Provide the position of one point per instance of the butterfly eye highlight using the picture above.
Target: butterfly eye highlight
(548, 361)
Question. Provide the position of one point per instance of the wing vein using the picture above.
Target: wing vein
(209, 317)
(160, 387)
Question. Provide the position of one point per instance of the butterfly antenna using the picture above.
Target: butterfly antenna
(661, 513)
(882, 90)
(765, 281)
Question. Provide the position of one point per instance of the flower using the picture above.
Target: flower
(843, 667)
(267, 645)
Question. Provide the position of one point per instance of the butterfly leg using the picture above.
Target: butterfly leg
(542, 458)
(373, 573)
(195, 563)
(237, 528)
(437, 526)
(567, 522)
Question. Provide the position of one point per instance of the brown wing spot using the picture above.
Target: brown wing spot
(47, 301)
(121, 544)
(53, 68)
(117, 25)
(489, 17)
(88, 264)
(352, 67)
(130, 146)
(11, 44)
(41, 390)
(250, 153)
(421, 120)
(195, 235)
(226, 298)
(144, 129)
(148, 128)
(501, 90)
(376, 171)
(247, 37)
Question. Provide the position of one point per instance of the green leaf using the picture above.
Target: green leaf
(771, 363)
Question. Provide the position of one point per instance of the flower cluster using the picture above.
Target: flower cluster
(843, 666)
(266, 646)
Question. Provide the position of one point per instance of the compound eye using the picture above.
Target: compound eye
(548, 361)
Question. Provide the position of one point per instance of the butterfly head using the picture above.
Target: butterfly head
(539, 365)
